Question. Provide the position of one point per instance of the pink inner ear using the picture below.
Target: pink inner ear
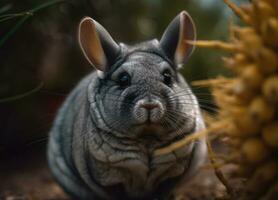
(186, 32)
(90, 43)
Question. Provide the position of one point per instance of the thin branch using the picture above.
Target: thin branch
(215, 44)
(211, 82)
(190, 138)
(180, 143)
(217, 171)
(238, 11)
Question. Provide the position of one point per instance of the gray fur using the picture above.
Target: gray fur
(101, 145)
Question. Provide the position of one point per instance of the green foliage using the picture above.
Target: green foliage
(24, 17)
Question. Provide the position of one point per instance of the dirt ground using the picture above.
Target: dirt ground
(25, 176)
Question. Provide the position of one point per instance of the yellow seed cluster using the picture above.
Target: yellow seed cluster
(248, 102)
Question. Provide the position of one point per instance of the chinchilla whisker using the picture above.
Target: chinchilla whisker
(167, 122)
(170, 121)
(164, 124)
(176, 115)
(189, 90)
(186, 91)
(36, 141)
(192, 102)
(208, 109)
(182, 92)
(176, 126)
(198, 100)
(184, 99)
(209, 103)
(206, 101)
(188, 103)
(202, 93)
(187, 97)
(182, 95)
(180, 112)
(198, 104)
(199, 86)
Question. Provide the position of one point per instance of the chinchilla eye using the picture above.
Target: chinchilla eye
(167, 75)
(124, 79)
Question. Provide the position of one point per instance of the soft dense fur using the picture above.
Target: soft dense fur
(102, 142)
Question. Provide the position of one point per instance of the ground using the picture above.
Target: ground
(25, 176)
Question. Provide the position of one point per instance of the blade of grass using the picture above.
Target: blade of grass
(13, 98)
(12, 16)
(2, 19)
(25, 17)
(45, 5)
(16, 15)
(5, 8)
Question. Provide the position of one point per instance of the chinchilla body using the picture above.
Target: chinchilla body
(102, 141)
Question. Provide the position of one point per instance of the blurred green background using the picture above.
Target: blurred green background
(44, 49)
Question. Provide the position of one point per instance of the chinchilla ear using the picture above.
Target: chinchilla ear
(173, 41)
(97, 45)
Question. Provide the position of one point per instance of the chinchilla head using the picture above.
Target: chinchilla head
(139, 93)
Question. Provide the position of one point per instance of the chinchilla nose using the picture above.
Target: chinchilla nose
(149, 105)
(147, 110)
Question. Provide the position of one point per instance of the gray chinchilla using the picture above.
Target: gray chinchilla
(102, 141)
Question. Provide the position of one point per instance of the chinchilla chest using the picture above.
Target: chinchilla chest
(131, 167)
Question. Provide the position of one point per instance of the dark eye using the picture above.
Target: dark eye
(167, 77)
(124, 79)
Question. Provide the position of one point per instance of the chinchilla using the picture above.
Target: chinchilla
(102, 142)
